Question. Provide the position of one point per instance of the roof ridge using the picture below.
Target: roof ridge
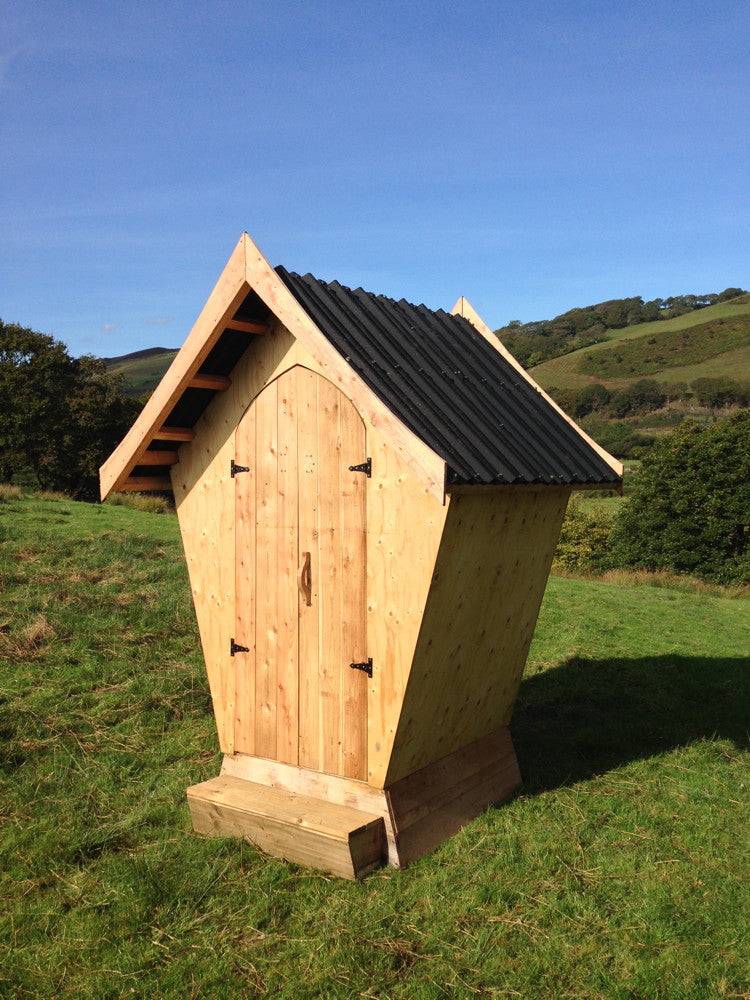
(365, 291)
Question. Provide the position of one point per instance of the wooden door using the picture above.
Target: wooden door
(300, 577)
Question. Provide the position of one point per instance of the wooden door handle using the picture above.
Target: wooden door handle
(305, 578)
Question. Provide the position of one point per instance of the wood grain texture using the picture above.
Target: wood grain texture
(245, 548)
(304, 697)
(329, 787)
(404, 527)
(266, 573)
(309, 615)
(479, 617)
(146, 484)
(205, 499)
(216, 383)
(433, 803)
(297, 828)
(287, 572)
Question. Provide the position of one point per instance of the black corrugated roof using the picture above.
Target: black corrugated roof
(442, 379)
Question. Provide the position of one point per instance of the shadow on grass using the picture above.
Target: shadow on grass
(586, 717)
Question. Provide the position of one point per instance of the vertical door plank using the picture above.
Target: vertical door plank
(287, 563)
(354, 683)
(331, 655)
(266, 629)
(307, 464)
(245, 556)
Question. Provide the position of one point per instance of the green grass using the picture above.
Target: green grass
(620, 871)
(668, 349)
(142, 374)
(566, 372)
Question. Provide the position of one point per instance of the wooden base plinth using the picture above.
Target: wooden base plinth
(346, 826)
(290, 826)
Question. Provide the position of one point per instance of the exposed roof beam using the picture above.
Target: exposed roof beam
(173, 434)
(158, 458)
(216, 382)
(242, 327)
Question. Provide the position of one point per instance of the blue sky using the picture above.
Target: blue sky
(532, 156)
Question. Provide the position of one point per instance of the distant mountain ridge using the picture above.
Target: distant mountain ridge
(142, 370)
(147, 352)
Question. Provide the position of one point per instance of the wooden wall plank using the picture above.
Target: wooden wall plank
(400, 560)
(309, 529)
(267, 582)
(288, 560)
(330, 583)
(245, 488)
(353, 547)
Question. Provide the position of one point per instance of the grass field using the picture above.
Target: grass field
(566, 372)
(620, 871)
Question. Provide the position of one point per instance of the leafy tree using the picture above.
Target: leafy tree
(642, 396)
(591, 398)
(690, 511)
(618, 437)
(59, 416)
(717, 392)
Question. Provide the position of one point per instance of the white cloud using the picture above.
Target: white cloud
(159, 321)
(110, 327)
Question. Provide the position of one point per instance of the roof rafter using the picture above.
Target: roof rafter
(247, 269)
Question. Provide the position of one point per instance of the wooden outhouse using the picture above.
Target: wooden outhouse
(369, 494)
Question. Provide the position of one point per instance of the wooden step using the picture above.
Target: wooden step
(295, 827)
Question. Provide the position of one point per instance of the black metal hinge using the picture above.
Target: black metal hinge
(234, 647)
(365, 467)
(366, 667)
(234, 468)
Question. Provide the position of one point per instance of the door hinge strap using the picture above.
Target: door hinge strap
(365, 467)
(234, 647)
(234, 468)
(366, 666)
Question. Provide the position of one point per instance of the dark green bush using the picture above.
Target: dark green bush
(642, 396)
(619, 438)
(717, 392)
(591, 398)
(690, 510)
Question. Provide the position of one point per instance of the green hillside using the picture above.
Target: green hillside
(618, 871)
(142, 370)
(714, 341)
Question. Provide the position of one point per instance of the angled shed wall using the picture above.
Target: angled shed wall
(484, 599)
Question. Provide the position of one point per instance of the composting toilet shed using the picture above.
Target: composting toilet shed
(369, 494)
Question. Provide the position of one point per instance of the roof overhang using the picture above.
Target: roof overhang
(248, 270)
(464, 308)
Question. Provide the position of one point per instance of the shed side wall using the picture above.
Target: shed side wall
(490, 575)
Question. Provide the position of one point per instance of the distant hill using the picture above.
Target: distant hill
(142, 370)
(643, 380)
(539, 341)
(714, 341)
